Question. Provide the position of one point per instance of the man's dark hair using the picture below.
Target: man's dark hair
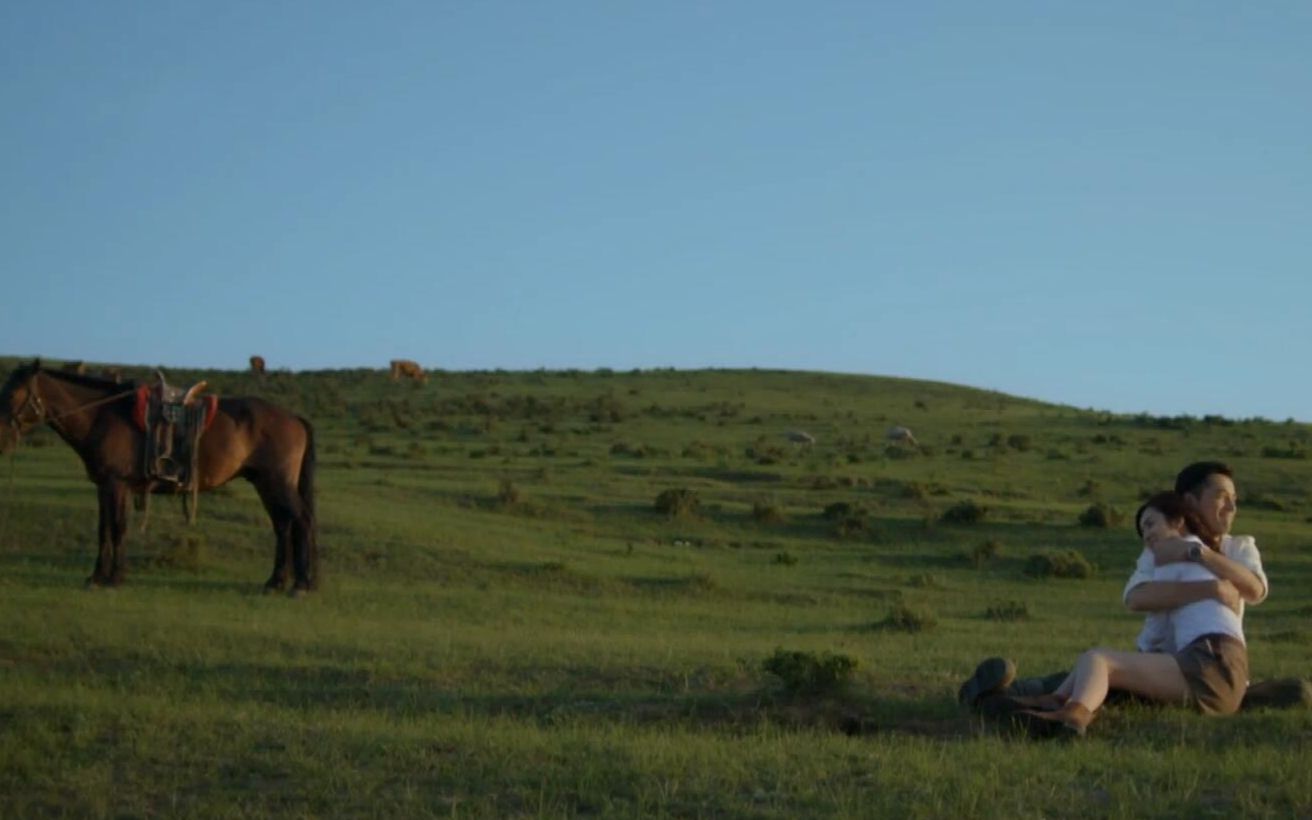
(1191, 479)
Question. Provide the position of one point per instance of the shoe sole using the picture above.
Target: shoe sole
(1039, 728)
(992, 675)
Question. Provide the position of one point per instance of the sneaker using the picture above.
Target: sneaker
(991, 676)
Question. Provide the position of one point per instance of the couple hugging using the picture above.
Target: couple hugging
(1192, 579)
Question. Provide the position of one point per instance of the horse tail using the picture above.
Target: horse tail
(305, 488)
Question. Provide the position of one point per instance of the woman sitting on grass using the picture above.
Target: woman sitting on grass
(1208, 664)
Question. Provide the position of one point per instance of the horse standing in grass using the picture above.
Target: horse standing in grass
(250, 438)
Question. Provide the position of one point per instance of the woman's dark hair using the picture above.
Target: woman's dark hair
(1177, 508)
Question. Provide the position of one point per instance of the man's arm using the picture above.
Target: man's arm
(1250, 587)
(1244, 580)
(1162, 596)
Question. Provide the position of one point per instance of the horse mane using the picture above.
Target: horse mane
(24, 372)
(19, 375)
(88, 380)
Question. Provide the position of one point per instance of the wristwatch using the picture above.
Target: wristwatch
(1195, 554)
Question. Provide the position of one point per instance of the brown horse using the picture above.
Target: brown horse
(407, 369)
(265, 444)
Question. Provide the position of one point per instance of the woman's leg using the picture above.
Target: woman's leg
(1153, 675)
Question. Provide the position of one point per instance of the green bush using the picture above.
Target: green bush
(1008, 611)
(806, 673)
(1100, 515)
(966, 513)
(1052, 564)
(507, 493)
(984, 552)
(1291, 452)
(679, 502)
(767, 512)
(843, 509)
(851, 526)
(904, 618)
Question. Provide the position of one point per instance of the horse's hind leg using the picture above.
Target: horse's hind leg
(280, 505)
(303, 558)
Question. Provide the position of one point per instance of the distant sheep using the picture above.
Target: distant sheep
(800, 437)
(901, 435)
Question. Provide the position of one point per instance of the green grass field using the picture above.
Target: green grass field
(509, 627)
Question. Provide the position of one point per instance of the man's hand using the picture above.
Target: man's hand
(1170, 550)
(1228, 594)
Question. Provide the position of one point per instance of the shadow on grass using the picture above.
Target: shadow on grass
(647, 697)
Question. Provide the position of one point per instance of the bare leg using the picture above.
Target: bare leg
(1153, 675)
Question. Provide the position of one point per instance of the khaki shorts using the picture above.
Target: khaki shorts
(1216, 669)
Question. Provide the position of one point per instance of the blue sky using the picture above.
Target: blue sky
(1097, 204)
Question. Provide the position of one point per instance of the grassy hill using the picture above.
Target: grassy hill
(510, 627)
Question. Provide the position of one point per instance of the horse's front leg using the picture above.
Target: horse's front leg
(111, 562)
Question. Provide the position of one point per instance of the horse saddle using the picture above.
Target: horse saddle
(173, 419)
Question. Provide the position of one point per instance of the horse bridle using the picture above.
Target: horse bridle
(33, 402)
(40, 413)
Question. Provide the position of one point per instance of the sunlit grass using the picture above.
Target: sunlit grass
(573, 651)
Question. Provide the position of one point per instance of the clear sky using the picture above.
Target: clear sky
(1103, 204)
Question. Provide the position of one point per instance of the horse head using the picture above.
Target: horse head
(21, 405)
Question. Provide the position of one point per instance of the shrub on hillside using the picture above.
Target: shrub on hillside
(905, 618)
(762, 451)
(965, 513)
(843, 509)
(1258, 501)
(678, 502)
(1007, 611)
(765, 511)
(1100, 515)
(984, 552)
(507, 493)
(806, 673)
(1066, 564)
(1291, 452)
(702, 451)
(623, 448)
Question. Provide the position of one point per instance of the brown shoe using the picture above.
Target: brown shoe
(1070, 720)
(1041, 703)
(1282, 693)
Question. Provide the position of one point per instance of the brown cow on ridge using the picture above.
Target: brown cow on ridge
(257, 365)
(407, 369)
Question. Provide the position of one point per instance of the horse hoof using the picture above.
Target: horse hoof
(298, 592)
